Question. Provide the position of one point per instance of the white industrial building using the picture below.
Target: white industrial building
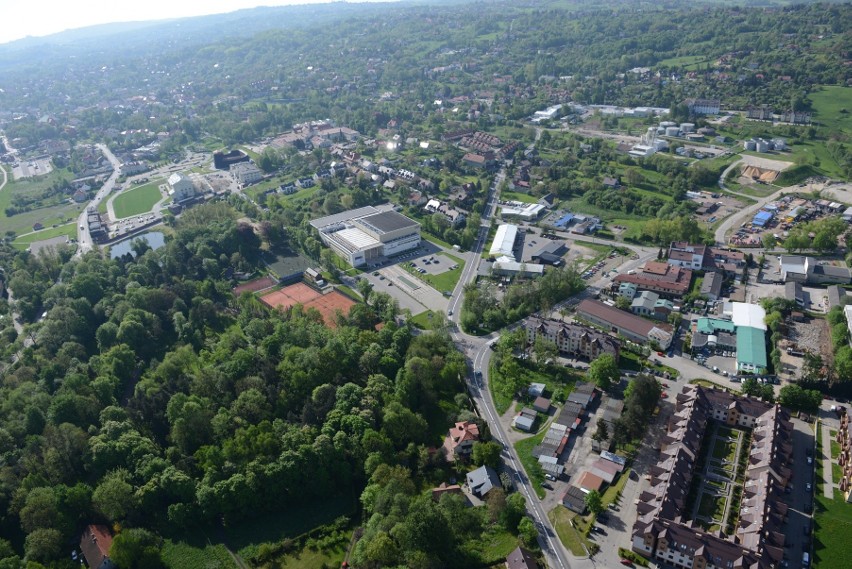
(509, 267)
(504, 241)
(365, 235)
(745, 314)
(180, 187)
(525, 211)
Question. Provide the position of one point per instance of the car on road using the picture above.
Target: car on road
(626, 562)
(449, 312)
(808, 486)
(810, 460)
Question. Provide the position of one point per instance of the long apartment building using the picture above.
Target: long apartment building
(662, 530)
(632, 327)
(572, 339)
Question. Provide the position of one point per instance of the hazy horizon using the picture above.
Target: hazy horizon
(39, 18)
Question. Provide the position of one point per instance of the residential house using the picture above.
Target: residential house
(572, 339)
(95, 543)
(628, 290)
(810, 271)
(606, 470)
(688, 256)
(711, 286)
(520, 558)
(458, 443)
(482, 480)
(536, 389)
(306, 182)
(611, 183)
(246, 173)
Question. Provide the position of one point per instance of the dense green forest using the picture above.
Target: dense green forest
(152, 397)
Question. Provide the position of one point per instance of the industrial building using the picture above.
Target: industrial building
(367, 235)
(504, 241)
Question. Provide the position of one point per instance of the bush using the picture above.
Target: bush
(635, 558)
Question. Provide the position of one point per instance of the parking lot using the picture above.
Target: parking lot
(412, 293)
(29, 168)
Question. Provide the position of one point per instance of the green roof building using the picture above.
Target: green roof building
(751, 349)
(712, 325)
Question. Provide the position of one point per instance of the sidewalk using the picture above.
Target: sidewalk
(828, 482)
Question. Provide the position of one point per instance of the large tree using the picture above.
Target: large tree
(603, 371)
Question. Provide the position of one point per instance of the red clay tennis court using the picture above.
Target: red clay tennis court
(300, 293)
(255, 285)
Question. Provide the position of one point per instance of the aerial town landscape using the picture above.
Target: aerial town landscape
(543, 284)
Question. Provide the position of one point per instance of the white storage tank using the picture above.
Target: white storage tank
(672, 131)
(749, 144)
(686, 127)
(666, 124)
(761, 145)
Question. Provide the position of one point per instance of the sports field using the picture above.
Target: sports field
(137, 201)
(300, 293)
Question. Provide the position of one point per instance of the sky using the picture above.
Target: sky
(22, 18)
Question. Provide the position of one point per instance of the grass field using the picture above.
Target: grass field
(61, 213)
(424, 320)
(688, 62)
(138, 200)
(524, 449)
(181, 555)
(571, 538)
(69, 230)
(832, 528)
(494, 546)
(518, 197)
(711, 507)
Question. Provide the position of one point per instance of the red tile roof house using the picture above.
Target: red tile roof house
(95, 543)
(460, 439)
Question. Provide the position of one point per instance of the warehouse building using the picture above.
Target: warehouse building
(367, 235)
(504, 241)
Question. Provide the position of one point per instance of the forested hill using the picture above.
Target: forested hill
(155, 399)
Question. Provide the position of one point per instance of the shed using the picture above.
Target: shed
(523, 422)
(575, 500)
(541, 404)
(536, 389)
(588, 482)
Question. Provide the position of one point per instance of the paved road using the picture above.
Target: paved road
(478, 354)
(84, 239)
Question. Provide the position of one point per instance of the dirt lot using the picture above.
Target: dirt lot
(724, 206)
(813, 336)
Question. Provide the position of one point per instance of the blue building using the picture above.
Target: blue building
(762, 218)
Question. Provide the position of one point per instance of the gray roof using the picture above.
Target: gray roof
(832, 271)
(712, 284)
(388, 221)
(836, 296)
(482, 480)
(793, 290)
(557, 248)
(321, 222)
(645, 300)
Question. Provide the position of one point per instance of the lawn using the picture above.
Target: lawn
(182, 555)
(69, 230)
(533, 469)
(424, 320)
(832, 528)
(518, 197)
(612, 493)
(711, 507)
(313, 559)
(571, 538)
(723, 450)
(557, 379)
(138, 200)
(495, 545)
(441, 282)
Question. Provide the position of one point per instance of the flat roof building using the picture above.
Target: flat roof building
(366, 235)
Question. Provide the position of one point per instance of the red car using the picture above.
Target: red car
(627, 562)
(664, 395)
